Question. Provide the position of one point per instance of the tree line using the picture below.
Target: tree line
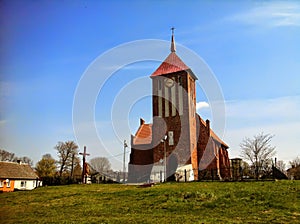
(66, 169)
(10, 157)
(257, 153)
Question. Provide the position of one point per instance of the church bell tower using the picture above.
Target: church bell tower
(174, 113)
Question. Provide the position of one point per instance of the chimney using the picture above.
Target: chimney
(208, 127)
(142, 121)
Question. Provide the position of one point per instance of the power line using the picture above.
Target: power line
(118, 155)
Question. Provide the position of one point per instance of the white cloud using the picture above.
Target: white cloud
(201, 104)
(271, 14)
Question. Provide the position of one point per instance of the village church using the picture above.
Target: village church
(178, 140)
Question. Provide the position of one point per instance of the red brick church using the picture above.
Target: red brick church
(179, 140)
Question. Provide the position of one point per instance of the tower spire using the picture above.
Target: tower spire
(173, 47)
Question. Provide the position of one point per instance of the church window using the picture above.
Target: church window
(180, 100)
(180, 80)
(159, 99)
(160, 106)
(167, 111)
(171, 137)
(159, 84)
(173, 100)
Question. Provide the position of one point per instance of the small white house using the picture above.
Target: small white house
(17, 176)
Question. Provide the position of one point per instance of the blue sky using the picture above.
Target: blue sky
(252, 47)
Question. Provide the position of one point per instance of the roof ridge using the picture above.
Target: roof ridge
(15, 162)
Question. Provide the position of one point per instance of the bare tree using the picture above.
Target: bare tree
(100, 164)
(10, 157)
(247, 172)
(281, 166)
(67, 154)
(294, 171)
(24, 159)
(6, 156)
(295, 162)
(258, 151)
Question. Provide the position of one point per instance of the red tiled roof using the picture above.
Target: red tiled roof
(144, 135)
(171, 64)
(12, 170)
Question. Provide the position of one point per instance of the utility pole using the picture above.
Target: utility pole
(165, 159)
(124, 168)
(164, 140)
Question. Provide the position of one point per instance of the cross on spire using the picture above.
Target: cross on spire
(173, 47)
(172, 28)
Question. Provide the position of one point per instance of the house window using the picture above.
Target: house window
(23, 184)
(1, 183)
(7, 183)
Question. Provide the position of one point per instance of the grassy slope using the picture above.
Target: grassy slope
(203, 202)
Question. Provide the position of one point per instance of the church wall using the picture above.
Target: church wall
(192, 124)
(224, 164)
(140, 156)
(215, 162)
(139, 173)
(140, 164)
(203, 136)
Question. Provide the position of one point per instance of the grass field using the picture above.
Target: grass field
(201, 202)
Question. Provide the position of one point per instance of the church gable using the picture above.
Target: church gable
(143, 135)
